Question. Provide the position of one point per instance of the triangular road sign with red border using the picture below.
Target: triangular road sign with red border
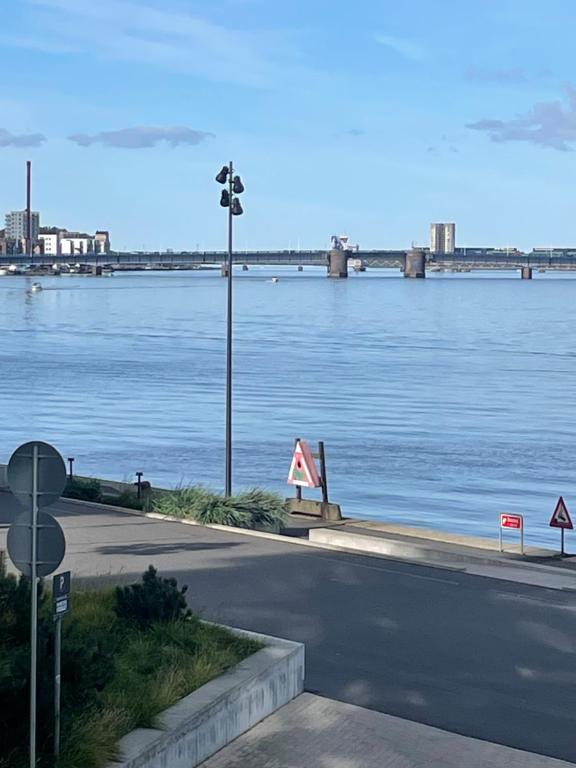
(561, 517)
(303, 471)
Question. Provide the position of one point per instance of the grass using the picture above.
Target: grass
(254, 508)
(152, 669)
(251, 509)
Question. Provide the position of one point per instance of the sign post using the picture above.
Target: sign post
(61, 597)
(561, 519)
(36, 476)
(513, 522)
(304, 474)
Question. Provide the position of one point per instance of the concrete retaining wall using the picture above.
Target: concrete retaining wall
(214, 715)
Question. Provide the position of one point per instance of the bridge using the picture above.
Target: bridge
(414, 262)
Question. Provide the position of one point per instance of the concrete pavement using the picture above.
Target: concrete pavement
(313, 732)
(481, 657)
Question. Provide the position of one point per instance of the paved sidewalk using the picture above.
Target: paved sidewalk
(313, 732)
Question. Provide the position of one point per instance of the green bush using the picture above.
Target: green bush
(126, 656)
(127, 499)
(86, 490)
(250, 509)
(155, 600)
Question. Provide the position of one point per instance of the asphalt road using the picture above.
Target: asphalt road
(481, 657)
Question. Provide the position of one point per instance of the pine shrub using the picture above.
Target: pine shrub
(154, 600)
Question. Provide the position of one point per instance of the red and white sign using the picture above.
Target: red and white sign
(561, 517)
(512, 521)
(303, 471)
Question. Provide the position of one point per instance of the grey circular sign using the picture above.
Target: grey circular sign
(51, 473)
(51, 544)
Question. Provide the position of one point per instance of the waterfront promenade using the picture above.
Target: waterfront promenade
(476, 656)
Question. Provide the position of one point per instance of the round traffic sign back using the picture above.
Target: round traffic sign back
(51, 478)
(51, 544)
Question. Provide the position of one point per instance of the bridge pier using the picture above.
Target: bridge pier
(224, 270)
(415, 264)
(337, 264)
(526, 273)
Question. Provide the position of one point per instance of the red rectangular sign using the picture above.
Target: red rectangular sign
(511, 521)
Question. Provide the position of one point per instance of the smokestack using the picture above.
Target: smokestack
(28, 207)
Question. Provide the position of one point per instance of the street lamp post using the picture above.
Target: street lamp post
(230, 200)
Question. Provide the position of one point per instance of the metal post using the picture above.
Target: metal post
(522, 538)
(57, 685)
(323, 473)
(562, 542)
(71, 467)
(29, 209)
(298, 487)
(139, 484)
(33, 607)
(500, 532)
(229, 342)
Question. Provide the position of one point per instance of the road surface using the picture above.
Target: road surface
(476, 656)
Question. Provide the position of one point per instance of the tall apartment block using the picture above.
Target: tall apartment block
(17, 225)
(442, 238)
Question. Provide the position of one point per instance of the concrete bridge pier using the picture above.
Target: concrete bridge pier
(415, 264)
(224, 270)
(526, 273)
(337, 264)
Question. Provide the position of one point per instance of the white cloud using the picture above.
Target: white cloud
(546, 124)
(8, 139)
(403, 46)
(176, 40)
(143, 136)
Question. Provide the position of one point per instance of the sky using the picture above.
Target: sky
(371, 118)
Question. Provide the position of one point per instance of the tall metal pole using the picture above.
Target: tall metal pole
(29, 209)
(57, 685)
(228, 484)
(33, 607)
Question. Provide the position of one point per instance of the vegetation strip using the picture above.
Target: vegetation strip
(128, 654)
(254, 508)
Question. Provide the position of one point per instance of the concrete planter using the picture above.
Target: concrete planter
(210, 718)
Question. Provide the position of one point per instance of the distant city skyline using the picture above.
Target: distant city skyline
(332, 114)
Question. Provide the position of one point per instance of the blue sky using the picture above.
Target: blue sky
(369, 117)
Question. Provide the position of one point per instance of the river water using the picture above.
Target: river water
(442, 402)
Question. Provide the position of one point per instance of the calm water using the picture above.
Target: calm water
(442, 402)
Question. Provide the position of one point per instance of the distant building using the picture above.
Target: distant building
(17, 225)
(442, 238)
(76, 244)
(49, 239)
(102, 241)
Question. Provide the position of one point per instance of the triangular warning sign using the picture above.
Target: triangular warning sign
(561, 517)
(303, 471)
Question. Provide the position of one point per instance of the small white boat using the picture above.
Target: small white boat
(3, 272)
(36, 288)
(275, 279)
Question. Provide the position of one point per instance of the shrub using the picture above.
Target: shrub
(127, 499)
(86, 490)
(120, 669)
(154, 600)
(265, 508)
(250, 509)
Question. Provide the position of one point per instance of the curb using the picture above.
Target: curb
(407, 555)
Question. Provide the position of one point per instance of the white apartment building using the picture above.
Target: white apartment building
(442, 238)
(50, 243)
(76, 245)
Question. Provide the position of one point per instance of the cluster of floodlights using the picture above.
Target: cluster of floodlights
(228, 198)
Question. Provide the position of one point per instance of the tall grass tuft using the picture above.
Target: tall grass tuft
(253, 508)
